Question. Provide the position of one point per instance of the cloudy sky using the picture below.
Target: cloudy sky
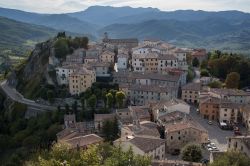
(63, 6)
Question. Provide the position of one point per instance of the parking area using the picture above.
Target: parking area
(216, 134)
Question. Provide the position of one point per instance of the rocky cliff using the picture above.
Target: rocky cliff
(29, 77)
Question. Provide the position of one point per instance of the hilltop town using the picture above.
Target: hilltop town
(149, 95)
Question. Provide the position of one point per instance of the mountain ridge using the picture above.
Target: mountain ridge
(185, 27)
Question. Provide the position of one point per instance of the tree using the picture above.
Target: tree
(87, 93)
(191, 152)
(110, 129)
(50, 96)
(190, 75)
(204, 73)
(204, 64)
(110, 99)
(231, 158)
(92, 101)
(82, 102)
(232, 80)
(215, 84)
(74, 107)
(67, 107)
(195, 62)
(61, 48)
(31, 142)
(120, 95)
(95, 155)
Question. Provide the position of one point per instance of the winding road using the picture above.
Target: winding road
(16, 96)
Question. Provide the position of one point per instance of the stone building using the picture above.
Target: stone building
(122, 61)
(200, 54)
(144, 139)
(167, 61)
(209, 107)
(234, 95)
(245, 111)
(229, 112)
(77, 134)
(187, 131)
(239, 143)
(119, 43)
(162, 108)
(190, 93)
(63, 72)
(143, 94)
(99, 119)
(81, 80)
(107, 56)
(145, 62)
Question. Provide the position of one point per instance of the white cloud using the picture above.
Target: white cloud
(62, 6)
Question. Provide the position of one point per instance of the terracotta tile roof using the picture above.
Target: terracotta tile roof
(179, 50)
(132, 40)
(148, 129)
(142, 112)
(230, 92)
(147, 144)
(184, 125)
(103, 117)
(99, 64)
(142, 46)
(230, 105)
(151, 88)
(82, 141)
(209, 100)
(122, 55)
(152, 76)
(167, 103)
(167, 57)
(71, 66)
(82, 71)
(172, 117)
(150, 55)
(199, 53)
(108, 52)
(192, 87)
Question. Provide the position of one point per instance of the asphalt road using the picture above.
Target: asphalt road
(16, 96)
(216, 134)
(197, 75)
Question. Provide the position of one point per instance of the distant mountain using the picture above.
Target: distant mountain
(228, 30)
(210, 33)
(66, 23)
(183, 15)
(56, 21)
(105, 15)
(17, 36)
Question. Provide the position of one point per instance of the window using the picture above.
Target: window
(171, 137)
(225, 115)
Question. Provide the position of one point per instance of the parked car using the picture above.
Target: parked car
(176, 152)
(205, 161)
(210, 122)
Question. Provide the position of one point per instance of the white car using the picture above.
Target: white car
(212, 144)
(209, 149)
(214, 147)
